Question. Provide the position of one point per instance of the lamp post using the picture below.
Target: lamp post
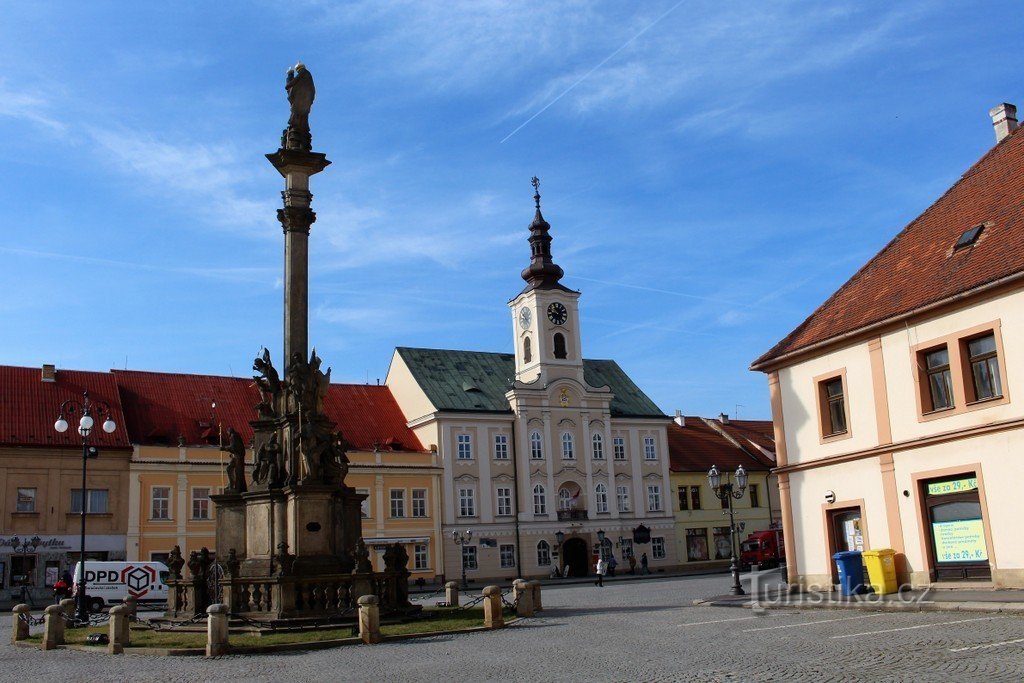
(86, 408)
(727, 491)
(463, 539)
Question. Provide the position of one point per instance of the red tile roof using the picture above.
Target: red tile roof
(918, 267)
(161, 406)
(696, 447)
(760, 432)
(156, 408)
(29, 407)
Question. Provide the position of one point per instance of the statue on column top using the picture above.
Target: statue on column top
(301, 94)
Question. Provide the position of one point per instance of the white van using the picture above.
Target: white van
(109, 583)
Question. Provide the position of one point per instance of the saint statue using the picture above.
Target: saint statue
(301, 94)
(236, 463)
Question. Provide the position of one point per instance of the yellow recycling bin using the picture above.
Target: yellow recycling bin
(881, 570)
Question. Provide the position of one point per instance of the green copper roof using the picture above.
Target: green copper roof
(477, 381)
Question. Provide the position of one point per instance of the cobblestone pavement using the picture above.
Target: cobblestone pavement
(629, 631)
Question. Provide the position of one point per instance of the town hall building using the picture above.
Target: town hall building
(549, 459)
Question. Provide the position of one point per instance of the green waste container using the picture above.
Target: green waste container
(881, 567)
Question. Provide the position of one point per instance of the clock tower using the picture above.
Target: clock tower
(545, 315)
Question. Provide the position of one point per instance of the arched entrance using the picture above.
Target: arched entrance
(576, 557)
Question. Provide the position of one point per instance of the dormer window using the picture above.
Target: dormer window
(969, 237)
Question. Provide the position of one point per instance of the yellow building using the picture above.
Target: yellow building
(702, 519)
(177, 422)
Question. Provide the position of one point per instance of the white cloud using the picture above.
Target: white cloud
(28, 106)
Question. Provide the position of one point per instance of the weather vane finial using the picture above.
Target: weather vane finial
(535, 181)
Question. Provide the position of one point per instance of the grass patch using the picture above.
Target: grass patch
(437, 619)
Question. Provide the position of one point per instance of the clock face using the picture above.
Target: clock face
(557, 313)
(525, 318)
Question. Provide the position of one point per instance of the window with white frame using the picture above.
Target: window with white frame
(397, 503)
(419, 502)
(26, 500)
(540, 501)
(600, 498)
(420, 557)
(501, 446)
(504, 498)
(96, 501)
(653, 498)
(619, 446)
(536, 446)
(650, 452)
(160, 502)
(622, 498)
(364, 504)
(469, 557)
(543, 554)
(201, 503)
(658, 548)
(598, 446)
(568, 446)
(566, 499)
(467, 502)
(507, 555)
(465, 446)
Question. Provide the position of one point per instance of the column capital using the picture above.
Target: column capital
(296, 218)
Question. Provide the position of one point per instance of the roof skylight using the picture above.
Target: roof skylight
(969, 237)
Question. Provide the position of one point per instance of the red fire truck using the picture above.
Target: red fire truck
(763, 548)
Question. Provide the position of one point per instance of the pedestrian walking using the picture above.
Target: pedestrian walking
(602, 569)
(632, 565)
(643, 565)
(611, 565)
(60, 589)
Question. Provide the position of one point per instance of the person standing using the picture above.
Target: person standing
(611, 565)
(643, 565)
(602, 569)
(632, 565)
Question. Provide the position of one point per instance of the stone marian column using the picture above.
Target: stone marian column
(296, 166)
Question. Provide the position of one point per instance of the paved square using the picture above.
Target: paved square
(628, 631)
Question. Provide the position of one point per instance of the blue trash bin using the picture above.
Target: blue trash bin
(851, 572)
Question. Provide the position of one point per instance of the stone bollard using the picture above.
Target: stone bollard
(217, 630)
(132, 604)
(493, 617)
(53, 631)
(537, 605)
(523, 598)
(118, 630)
(19, 623)
(451, 593)
(369, 619)
(68, 605)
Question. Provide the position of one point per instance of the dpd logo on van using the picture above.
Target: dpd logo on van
(138, 580)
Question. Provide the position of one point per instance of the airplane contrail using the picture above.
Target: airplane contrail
(584, 76)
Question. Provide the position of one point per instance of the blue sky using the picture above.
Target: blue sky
(712, 172)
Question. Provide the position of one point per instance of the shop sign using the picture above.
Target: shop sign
(942, 488)
(960, 541)
(93, 543)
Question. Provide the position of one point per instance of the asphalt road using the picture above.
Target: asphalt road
(647, 630)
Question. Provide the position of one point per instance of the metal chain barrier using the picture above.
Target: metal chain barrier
(30, 620)
(159, 626)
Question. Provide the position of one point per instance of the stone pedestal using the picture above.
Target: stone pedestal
(535, 588)
(231, 526)
(68, 605)
(19, 625)
(523, 598)
(369, 620)
(451, 593)
(493, 617)
(119, 633)
(53, 629)
(217, 630)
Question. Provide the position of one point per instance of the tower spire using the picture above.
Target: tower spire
(542, 273)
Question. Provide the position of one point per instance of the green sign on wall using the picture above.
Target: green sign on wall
(941, 488)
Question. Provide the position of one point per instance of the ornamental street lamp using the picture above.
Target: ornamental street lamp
(26, 547)
(462, 540)
(86, 408)
(727, 491)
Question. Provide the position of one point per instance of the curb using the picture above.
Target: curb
(935, 606)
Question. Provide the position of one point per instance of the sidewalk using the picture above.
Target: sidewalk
(928, 600)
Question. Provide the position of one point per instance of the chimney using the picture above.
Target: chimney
(49, 372)
(1004, 119)
(723, 418)
(680, 419)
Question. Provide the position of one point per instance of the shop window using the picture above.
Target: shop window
(723, 543)
(697, 545)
